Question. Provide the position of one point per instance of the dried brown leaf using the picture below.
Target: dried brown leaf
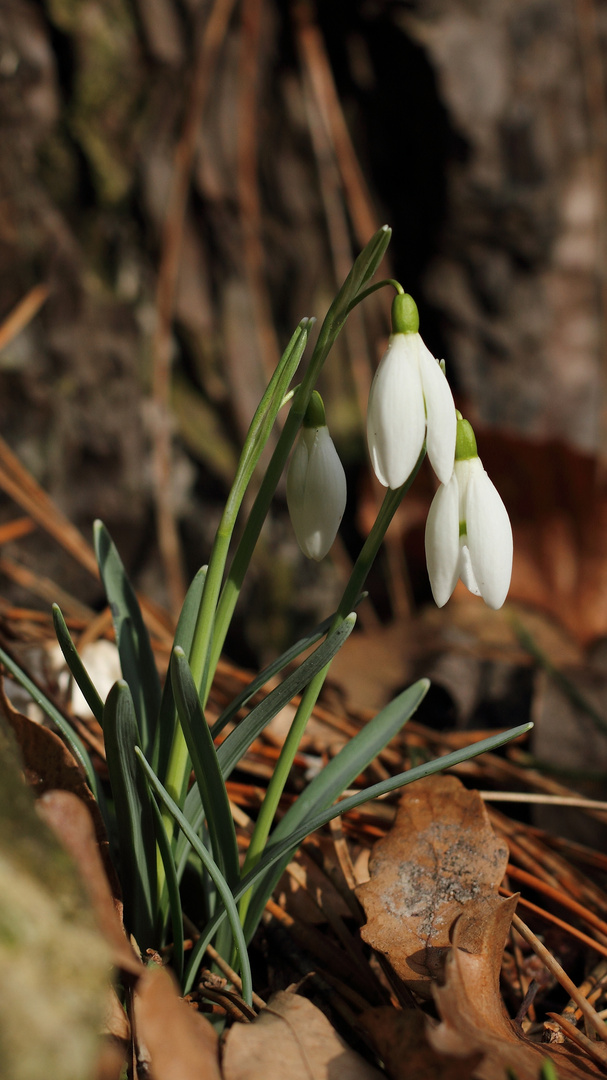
(72, 824)
(49, 765)
(471, 1009)
(440, 854)
(174, 1040)
(291, 1038)
(400, 1039)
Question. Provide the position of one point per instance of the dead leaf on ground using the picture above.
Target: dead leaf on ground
(400, 1039)
(440, 854)
(174, 1040)
(72, 824)
(473, 1017)
(291, 1038)
(50, 765)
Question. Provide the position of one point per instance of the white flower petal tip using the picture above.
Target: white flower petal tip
(469, 536)
(316, 492)
(410, 401)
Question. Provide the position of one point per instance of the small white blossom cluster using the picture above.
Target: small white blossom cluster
(468, 531)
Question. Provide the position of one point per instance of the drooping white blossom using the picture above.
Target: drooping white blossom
(316, 486)
(410, 401)
(468, 531)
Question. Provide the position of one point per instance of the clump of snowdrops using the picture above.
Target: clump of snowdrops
(166, 804)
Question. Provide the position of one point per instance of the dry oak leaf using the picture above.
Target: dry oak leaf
(70, 819)
(400, 1039)
(440, 853)
(473, 1017)
(174, 1041)
(291, 1038)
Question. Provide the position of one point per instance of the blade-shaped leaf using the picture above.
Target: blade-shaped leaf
(353, 758)
(184, 634)
(77, 668)
(239, 740)
(211, 785)
(229, 911)
(172, 890)
(268, 673)
(132, 638)
(134, 815)
(72, 739)
(287, 846)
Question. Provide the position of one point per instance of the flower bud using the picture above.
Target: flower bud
(316, 484)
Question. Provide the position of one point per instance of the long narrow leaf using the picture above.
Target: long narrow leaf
(72, 739)
(172, 889)
(77, 668)
(268, 673)
(229, 911)
(239, 740)
(354, 757)
(134, 815)
(211, 785)
(132, 638)
(184, 634)
(289, 845)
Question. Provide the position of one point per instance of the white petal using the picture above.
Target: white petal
(489, 538)
(296, 485)
(316, 492)
(465, 570)
(396, 416)
(440, 415)
(442, 541)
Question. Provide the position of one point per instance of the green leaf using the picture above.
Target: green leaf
(286, 847)
(172, 890)
(184, 634)
(211, 785)
(134, 815)
(239, 740)
(268, 673)
(229, 911)
(132, 638)
(77, 668)
(72, 739)
(354, 757)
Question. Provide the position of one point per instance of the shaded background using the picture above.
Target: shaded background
(182, 181)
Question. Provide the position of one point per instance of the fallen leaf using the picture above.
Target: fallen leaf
(174, 1041)
(71, 821)
(291, 1038)
(440, 854)
(400, 1039)
(473, 1017)
(50, 765)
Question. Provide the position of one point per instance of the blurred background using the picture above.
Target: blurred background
(181, 181)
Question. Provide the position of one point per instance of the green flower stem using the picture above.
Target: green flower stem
(257, 437)
(373, 288)
(363, 564)
(350, 294)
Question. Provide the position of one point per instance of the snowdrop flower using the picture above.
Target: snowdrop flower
(316, 484)
(410, 401)
(468, 531)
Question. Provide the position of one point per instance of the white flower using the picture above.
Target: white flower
(469, 536)
(316, 490)
(410, 400)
